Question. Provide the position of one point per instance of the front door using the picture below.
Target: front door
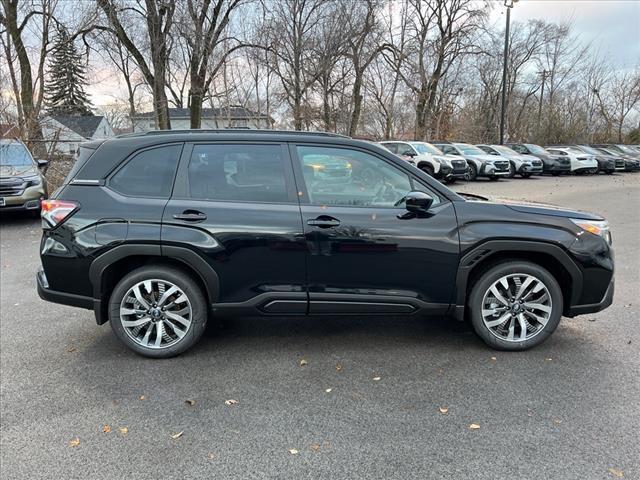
(364, 253)
(235, 205)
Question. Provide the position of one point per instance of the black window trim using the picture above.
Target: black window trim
(131, 156)
(181, 189)
(303, 195)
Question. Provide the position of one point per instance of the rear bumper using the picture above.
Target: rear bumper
(606, 301)
(64, 298)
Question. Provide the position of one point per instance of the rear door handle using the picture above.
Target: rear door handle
(190, 216)
(323, 221)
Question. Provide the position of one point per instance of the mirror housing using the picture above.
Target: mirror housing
(409, 153)
(418, 202)
(42, 163)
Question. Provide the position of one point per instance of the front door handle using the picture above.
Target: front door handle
(323, 221)
(190, 216)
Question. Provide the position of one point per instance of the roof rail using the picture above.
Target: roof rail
(248, 131)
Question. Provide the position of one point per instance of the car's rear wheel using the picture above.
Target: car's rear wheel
(158, 312)
(515, 305)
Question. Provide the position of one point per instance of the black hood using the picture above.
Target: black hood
(536, 208)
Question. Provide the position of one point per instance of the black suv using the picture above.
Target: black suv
(157, 232)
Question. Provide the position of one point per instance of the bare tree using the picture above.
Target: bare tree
(158, 17)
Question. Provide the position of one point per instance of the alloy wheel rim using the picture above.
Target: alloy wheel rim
(156, 313)
(516, 307)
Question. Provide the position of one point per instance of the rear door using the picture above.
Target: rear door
(235, 205)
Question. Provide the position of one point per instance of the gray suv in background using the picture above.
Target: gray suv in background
(22, 185)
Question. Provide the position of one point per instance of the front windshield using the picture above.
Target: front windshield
(14, 155)
(470, 149)
(505, 150)
(575, 150)
(536, 149)
(590, 150)
(625, 149)
(423, 148)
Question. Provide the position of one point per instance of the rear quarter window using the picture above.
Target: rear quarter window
(149, 173)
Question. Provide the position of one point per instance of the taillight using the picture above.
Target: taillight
(54, 212)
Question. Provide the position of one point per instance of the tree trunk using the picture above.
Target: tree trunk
(420, 132)
(357, 104)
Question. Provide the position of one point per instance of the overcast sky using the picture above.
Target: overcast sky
(613, 26)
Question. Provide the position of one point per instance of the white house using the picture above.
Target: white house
(212, 118)
(65, 132)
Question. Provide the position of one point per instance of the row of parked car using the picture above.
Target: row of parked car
(451, 161)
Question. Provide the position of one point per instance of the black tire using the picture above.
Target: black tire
(473, 172)
(555, 174)
(449, 180)
(189, 288)
(512, 170)
(428, 169)
(525, 174)
(494, 178)
(609, 172)
(493, 274)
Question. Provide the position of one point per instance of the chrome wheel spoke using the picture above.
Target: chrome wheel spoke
(135, 323)
(156, 313)
(516, 307)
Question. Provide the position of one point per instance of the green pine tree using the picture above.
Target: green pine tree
(64, 93)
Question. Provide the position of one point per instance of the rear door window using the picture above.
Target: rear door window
(239, 172)
(149, 173)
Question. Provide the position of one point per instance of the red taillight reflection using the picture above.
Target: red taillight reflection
(55, 211)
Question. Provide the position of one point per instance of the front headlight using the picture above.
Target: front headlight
(33, 181)
(597, 227)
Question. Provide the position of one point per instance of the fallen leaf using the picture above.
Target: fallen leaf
(548, 359)
(474, 426)
(315, 447)
(211, 456)
(231, 402)
(616, 473)
(376, 379)
(71, 349)
(177, 435)
(557, 421)
(293, 451)
(75, 442)
(444, 410)
(303, 362)
(338, 367)
(328, 390)
(106, 429)
(190, 402)
(124, 430)
(494, 359)
(142, 397)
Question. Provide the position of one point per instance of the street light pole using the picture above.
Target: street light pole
(509, 4)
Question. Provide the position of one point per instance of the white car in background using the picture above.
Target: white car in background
(580, 162)
(523, 165)
(481, 164)
(417, 155)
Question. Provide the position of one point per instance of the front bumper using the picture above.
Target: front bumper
(606, 301)
(29, 205)
(524, 168)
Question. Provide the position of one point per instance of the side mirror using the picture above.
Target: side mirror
(408, 153)
(418, 202)
(42, 163)
(495, 153)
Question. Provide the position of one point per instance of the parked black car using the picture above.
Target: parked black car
(156, 232)
(631, 164)
(553, 164)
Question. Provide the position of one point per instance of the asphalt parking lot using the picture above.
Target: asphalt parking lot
(388, 398)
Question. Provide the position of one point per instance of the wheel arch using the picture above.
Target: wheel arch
(551, 257)
(109, 268)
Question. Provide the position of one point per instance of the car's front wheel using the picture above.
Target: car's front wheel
(158, 312)
(515, 305)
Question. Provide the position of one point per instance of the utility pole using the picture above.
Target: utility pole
(544, 79)
(509, 4)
